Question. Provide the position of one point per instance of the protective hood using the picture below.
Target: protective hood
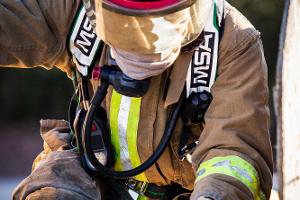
(147, 34)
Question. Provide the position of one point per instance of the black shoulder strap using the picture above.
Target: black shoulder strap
(202, 71)
(201, 76)
(84, 44)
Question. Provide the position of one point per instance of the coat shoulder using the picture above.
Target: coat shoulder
(238, 31)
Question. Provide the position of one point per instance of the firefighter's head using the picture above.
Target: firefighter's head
(150, 30)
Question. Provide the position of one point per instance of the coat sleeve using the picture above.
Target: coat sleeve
(233, 159)
(33, 33)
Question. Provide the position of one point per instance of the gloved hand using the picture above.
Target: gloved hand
(56, 136)
(57, 171)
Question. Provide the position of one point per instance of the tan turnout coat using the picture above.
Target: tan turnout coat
(33, 33)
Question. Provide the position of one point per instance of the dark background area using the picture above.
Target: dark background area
(27, 95)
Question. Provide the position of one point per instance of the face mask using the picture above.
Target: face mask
(142, 66)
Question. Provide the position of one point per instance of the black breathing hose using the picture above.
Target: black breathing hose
(105, 171)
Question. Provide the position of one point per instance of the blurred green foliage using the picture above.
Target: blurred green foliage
(30, 94)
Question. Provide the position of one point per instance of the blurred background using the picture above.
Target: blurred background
(27, 95)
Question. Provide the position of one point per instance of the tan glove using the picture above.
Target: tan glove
(57, 171)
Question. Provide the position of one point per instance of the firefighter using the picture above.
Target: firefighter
(201, 58)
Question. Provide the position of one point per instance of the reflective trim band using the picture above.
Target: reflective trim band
(114, 112)
(124, 120)
(235, 167)
(141, 197)
(132, 129)
(122, 130)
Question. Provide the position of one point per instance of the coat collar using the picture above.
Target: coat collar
(177, 78)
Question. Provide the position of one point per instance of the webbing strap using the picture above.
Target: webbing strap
(114, 110)
(124, 119)
(83, 42)
(202, 70)
(235, 167)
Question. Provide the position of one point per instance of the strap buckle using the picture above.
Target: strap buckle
(137, 186)
(185, 152)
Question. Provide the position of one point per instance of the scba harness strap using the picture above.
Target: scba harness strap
(84, 43)
(203, 66)
(202, 73)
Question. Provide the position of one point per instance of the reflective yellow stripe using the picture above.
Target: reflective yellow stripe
(114, 111)
(119, 129)
(141, 197)
(235, 167)
(132, 129)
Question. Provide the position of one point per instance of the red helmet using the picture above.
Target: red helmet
(146, 7)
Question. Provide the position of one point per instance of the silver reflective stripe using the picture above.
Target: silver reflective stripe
(124, 120)
(122, 128)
